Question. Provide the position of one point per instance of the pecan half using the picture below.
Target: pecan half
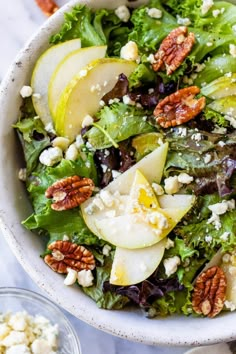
(66, 254)
(173, 50)
(47, 6)
(70, 192)
(209, 292)
(179, 107)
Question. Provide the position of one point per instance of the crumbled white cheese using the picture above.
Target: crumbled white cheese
(22, 174)
(17, 349)
(230, 305)
(196, 137)
(226, 258)
(85, 278)
(154, 13)
(207, 158)
(219, 130)
(157, 189)
(37, 96)
(206, 5)
(232, 120)
(209, 44)
(158, 219)
(171, 185)
(208, 239)
(50, 128)
(106, 198)
(61, 142)
(169, 243)
(182, 132)
(234, 28)
(232, 50)
(13, 338)
(216, 13)
(127, 100)
(185, 178)
(215, 220)
(183, 21)
(71, 153)
(18, 321)
(115, 174)
(88, 120)
(51, 156)
(71, 277)
(65, 238)
(171, 265)
(79, 141)
(106, 250)
(101, 103)
(40, 346)
(151, 59)
(225, 236)
(129, 51)
(26, 91)
(123, 13)
(222, 207)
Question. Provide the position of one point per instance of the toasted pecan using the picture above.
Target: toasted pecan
(49, 7)
(209, 292)
(70, 192)
(66, 254)
(173, 50)
(179, 107)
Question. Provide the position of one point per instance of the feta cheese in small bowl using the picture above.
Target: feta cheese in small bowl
(32, 324)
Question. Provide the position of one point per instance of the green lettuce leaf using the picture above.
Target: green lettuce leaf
(69, 222)
(106, 300)
(142, 75)
(34, 139)
(120, 122)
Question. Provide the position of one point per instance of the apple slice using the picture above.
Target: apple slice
(68, 68)
(123, 183)
(44, 68)
(82, 95)
(133, 266)
(139, 230)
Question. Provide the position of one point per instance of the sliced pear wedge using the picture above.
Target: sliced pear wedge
(123, 184)
(82, 95)
(68, 68)
(43, 70)
(225, 105)
(139, 230)
(142, 196)
(221, 87)
(133, 266)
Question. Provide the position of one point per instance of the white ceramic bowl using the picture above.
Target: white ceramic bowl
(15, 299)
(14, 207)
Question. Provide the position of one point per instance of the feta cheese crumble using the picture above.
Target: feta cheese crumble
(206, 5)
(232, 50)
(123, 13)
(171, 185)
(171, 265)
(154, 13)
(21, 333)
(51, 156)
(129, 51)
(183, 21)
(26, 91)
(85, 278)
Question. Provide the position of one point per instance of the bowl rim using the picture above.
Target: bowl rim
(98, 318)
(37, 297)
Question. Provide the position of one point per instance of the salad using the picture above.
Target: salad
(128, 132)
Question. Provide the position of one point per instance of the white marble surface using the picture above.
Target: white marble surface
(19, 19)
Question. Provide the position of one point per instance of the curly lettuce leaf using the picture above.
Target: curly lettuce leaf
(148, 32)
(119, 122)
(93, 28)
(142, 75)
(56, 224)
(105, 299)
(34, 139)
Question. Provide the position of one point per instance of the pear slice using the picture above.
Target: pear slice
(142, 196)
(133, 266)
(225, 105)
(139, 230)
(82, 95)
(221, 87)
(43, 70)
(123, 183)
(68, 68)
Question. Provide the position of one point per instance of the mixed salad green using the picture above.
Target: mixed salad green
(124, 130)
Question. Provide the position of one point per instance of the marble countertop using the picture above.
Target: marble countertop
(19, 19)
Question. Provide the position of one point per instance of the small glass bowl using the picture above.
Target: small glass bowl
(16, 299)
